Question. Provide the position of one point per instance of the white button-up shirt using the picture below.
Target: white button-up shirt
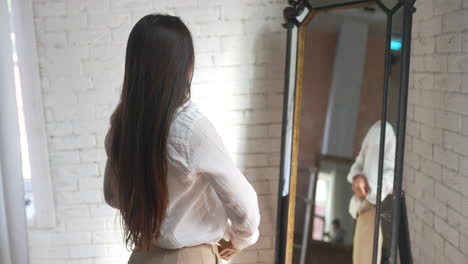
(367, 165)
(205, 188)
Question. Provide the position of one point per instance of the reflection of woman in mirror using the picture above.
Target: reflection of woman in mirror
(363, 176)
(168, 171)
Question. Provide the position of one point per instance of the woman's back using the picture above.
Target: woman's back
(204, 187)
(167, 171)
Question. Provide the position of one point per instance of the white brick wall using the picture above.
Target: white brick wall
(240, 48)
(436, 173)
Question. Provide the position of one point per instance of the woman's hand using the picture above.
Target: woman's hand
(226, 249)
(360, 186)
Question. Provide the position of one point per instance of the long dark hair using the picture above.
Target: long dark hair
(158, 70)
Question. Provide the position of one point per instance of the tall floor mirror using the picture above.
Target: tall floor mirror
(346, 87)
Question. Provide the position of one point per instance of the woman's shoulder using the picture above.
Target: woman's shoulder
(180, 131)
(373, 135)
(185, 120)
(188, 114)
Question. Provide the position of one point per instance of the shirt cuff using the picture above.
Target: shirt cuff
(371, 197)
(244, 242)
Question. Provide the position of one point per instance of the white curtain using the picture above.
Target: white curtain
(13, 230)
(26, 48)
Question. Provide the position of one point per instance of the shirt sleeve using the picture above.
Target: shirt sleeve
(209, 158)
(388, 166)
(358, 166)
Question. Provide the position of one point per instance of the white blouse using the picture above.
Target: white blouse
(209, 198)
(367, 164)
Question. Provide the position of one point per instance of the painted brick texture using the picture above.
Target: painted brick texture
(436, 178)
(238, 82)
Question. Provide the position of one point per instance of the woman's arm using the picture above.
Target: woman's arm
(209, 158)
(357, 169)
(388, 166)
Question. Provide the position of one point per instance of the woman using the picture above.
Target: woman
(363, 176)
(168, 173)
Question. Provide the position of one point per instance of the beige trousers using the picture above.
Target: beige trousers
(364, 235)
(202, 254)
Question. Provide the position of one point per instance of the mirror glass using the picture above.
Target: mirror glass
(392, 117)
(342, 80)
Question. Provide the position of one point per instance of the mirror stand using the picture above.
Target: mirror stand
(404, 243)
